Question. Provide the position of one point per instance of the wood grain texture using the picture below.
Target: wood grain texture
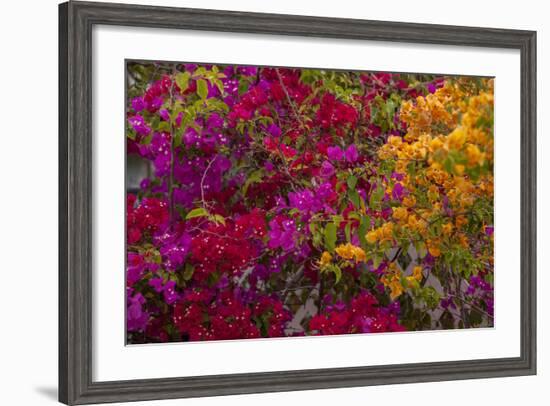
(75, 196)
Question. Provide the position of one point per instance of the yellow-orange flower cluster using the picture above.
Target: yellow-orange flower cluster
(351, 252)
(326, 258)
(445, 164)
(392, 280)
(381, 234)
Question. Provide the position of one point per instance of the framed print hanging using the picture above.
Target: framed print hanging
(260, 202)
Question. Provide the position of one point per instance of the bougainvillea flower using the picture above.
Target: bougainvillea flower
(335, 153)
(282, 233)
(139, 125)
(138, 104)
(351, 153)
(398, 191)
(304, 201)
(327, 169)
(136, 317)
(274, 130)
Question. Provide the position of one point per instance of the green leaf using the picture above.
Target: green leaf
(155, 122)
(421, 250)
(178, 136)
(376, 261)
(164, 126)
(147, 140)
(330, 237)
(188, 272)
(201, 70)
(220, 86)
(352, 182)
(243, 87)
(219, 219)
(337, 272)
(374, 113)
(182, 80)
(216, 104)
(202, 88)
(254, 177)
(198, 212)
(354, 197)
(376, 197)
(337, 219)
(448, 164)
(390, 107)
(363, 228)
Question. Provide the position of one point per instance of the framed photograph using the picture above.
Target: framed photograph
(260, 202)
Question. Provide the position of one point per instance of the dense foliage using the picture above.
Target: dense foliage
(288, 202)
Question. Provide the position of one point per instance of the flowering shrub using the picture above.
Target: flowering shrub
(286, 202)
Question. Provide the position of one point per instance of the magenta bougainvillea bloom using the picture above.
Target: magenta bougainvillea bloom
(138, 104)
(335, 153)
(138, 124)
(282, 233)
(327, 169)
(304, 201)
(351, 153)
(175, 251)
(398, 191)
(136, 317)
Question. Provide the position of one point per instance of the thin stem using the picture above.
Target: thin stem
(397, 254)
(295, 111)
(461, 298)
(172, 150)
(473, 306)
(290, 102)
(204, 205)
(321, 293)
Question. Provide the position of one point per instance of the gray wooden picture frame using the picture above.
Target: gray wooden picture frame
(76, 20)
